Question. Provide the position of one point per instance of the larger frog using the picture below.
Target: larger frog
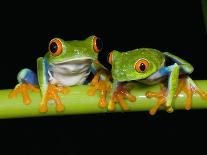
(150, 66)
(67, 63)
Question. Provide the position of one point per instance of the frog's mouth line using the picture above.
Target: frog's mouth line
(75, 61)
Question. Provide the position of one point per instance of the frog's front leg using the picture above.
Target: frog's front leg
(188, 86)
(120, 92)
(48, 91)
(101, 82)
(166, 96)
(51, 93)
(27, 80)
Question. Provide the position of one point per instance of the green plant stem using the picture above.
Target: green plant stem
(78, 102)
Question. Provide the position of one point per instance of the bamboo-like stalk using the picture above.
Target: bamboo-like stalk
(78, 102)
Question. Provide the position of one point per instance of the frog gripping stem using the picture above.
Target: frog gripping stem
(188, 86)
(78, 102)
(161, 100)
(118, 96)
(23, 89)
(51, 94)
(103, 86)
(63, 67)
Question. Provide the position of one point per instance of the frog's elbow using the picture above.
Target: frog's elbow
(191, 69)
(188, 68)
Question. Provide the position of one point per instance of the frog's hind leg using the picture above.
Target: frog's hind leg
(161, 99)
(27, 80)
(166, 95)
(188, 86)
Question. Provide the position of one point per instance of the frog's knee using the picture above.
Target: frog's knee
(27, 76)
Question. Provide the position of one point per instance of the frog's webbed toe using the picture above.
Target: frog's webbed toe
(161, 100)
(27, 81)
(52, 94)
(23, 89)
(103, 85)
(119, 97)
(187, 85)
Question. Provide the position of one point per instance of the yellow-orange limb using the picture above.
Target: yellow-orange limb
(102, 100)
(52, 94)
(129, 96)
(95, 84)
(104, 86)
(23, 89)
(95, 79)
(161, 100)
(202, 93)
(189, 90)
(118, 97)
(183, 86)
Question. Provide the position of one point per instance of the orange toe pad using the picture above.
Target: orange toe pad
(52, 94)
(23, 89)
(118, 97)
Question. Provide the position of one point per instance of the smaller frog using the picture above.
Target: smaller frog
(67, 63)
(150, 66)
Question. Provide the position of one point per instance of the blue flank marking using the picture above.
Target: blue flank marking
(93, 69)
(46, 66)
(164, 71)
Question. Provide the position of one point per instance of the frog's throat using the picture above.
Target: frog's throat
(71, 72)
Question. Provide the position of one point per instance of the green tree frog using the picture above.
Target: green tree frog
(150, 66)
(67, 63)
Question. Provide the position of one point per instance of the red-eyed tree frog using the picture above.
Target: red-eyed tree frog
(150, 66)
(67, 63)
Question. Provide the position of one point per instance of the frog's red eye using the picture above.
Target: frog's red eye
(141, 65)
(97, 44)
(55, 47)
(110, 58)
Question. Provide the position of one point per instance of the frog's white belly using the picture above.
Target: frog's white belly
(73, 72)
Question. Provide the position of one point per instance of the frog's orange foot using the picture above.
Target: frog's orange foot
(161, 100)
(103, 86)
(118, 97)
(189, 87)
(23, 89)
(52, 94)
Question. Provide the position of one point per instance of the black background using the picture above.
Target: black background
(174, 26)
